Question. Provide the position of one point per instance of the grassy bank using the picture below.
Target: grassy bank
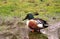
(19, 8)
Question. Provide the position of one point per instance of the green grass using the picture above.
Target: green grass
(20, 7)
(36, 35)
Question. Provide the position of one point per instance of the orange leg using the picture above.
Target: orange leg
(32, 30)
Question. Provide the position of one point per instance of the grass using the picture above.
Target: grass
(19, 8)
(36, 35)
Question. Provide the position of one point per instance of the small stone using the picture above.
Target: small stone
(4, 1)
(12, 10)
(48, 4)
(15, 3)
(41, 0)
(36, 13)
(35, 5)
(31, 1)
(54, 18)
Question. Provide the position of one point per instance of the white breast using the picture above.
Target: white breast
(40, 25)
